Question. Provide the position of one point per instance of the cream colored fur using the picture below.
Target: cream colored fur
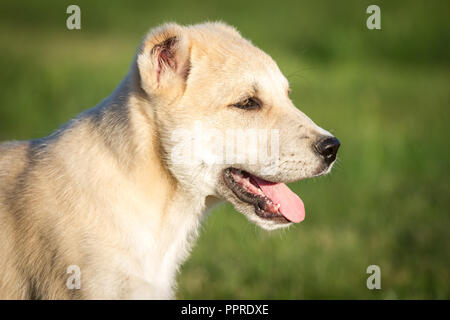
(101, 192)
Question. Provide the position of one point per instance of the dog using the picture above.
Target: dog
(104, 208)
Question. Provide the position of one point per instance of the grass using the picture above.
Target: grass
(384, 93)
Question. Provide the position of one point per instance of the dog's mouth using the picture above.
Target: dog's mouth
(272, 201)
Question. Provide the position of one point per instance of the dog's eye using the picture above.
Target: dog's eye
(248, 104)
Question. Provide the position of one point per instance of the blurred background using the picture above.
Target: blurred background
(383, 93)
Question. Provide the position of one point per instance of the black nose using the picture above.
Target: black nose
(327, 147)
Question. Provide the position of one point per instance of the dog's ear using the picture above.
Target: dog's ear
(163, 60)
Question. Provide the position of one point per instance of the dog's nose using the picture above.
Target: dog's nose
(327, 147)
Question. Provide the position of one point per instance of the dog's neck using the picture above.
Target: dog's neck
(158, 217)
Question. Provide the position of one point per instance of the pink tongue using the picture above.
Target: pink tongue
(291, 206)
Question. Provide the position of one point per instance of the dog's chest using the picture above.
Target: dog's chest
(152, 245)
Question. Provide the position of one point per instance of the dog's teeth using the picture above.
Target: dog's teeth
(278, 206)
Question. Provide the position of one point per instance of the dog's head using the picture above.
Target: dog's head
(226, 124)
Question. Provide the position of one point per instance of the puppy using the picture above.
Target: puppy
(108, 206)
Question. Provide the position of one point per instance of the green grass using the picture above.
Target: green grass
(384, 93)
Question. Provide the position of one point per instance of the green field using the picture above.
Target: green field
(383, 93)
